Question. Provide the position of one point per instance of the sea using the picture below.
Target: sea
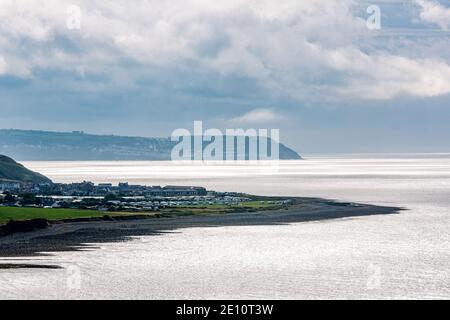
(402, 256)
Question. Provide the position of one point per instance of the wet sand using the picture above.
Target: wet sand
(71, 236)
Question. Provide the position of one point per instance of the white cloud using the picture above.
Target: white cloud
(2, 65)
(301, 49)
(434, 12)
(384, 76)
(257, 116)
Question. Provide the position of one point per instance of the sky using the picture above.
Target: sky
(328, 73)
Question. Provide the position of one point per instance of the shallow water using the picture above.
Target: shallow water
(395, 256)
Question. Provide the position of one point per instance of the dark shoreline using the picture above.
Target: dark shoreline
(73, 236)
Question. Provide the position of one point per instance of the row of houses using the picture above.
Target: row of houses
(125, 189)
(87, 188)
(132, 204)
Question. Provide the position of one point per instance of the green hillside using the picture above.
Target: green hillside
(11, 170)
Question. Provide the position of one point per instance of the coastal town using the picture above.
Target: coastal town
(30, 200)
(118, 198)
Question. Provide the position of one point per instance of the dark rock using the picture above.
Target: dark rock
(23, 226)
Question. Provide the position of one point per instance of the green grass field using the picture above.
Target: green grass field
(258, 204)
(18, 214)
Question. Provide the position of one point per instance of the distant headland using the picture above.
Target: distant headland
(30, 145)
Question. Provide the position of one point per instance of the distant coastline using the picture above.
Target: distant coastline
(31, 145)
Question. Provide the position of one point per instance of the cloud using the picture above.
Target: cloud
(257, 116)
(381, 77)
(435, 13)
(2, 65)
(301, 50)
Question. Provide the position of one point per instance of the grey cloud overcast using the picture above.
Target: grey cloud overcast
(218, 59)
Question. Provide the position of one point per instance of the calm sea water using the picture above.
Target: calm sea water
(396, 256)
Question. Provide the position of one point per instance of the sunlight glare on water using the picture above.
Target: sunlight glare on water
(395, 256)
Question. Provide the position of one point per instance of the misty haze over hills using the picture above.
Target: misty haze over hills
(26, 145)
